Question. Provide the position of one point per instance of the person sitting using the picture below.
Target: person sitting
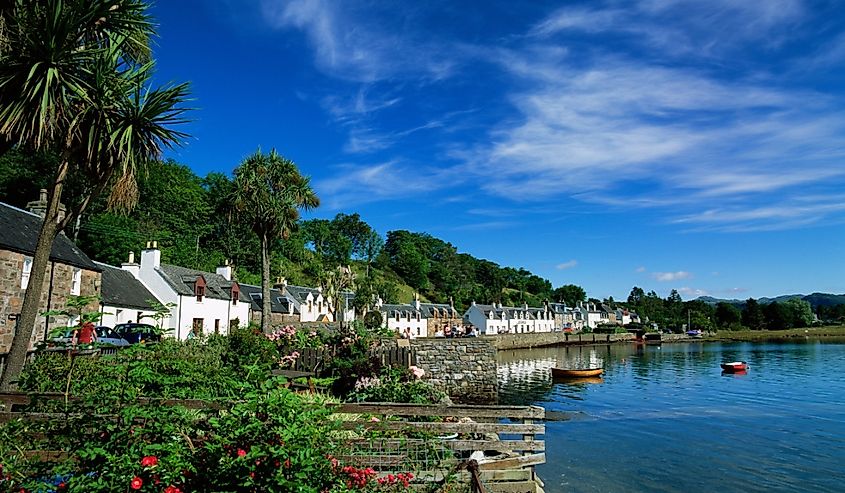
(447, 332)
(87, 334)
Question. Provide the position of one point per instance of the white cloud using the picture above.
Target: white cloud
(640, 269)
(693, 292)
(350, 40)
(567, 265)
(671, 276)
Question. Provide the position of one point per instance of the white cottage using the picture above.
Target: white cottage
(309, 302)
(124, 298)
(404, 318)
(497, 319)
(205, 302)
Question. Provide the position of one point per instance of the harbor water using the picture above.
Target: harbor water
(667, 419)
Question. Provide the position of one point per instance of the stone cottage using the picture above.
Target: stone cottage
(69, 273)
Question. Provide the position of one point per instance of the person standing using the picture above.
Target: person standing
(87, 334)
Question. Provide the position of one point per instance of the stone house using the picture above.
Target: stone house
(438, 316)
(69, 273)
(204, 302)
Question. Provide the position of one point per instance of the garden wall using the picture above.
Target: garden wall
(463, 368)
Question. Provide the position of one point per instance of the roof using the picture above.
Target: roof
(121, 288)
(182, 280)
(403, 310)
(442, 309)
(19, 231)
(279, 303)
(300, 293)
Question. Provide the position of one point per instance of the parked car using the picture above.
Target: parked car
(135, 332)
(105, 336)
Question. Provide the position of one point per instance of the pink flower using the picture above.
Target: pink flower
(241, 452)
(374, 419)
(172, 489)
(136, 483)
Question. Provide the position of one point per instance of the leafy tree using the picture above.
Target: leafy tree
(74, 83)
(801, 312)
(727, 315)
(570, 294)
(268, 195)
(637, 294)
(778, 316)
(752, 315)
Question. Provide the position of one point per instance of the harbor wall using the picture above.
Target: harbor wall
(527, 341)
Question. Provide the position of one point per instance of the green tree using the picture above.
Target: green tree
(74, 82)
(801, 312)
(570, 294)
(268, 194)
(752, 315)
(637, 294)
(727, 315)
(778, 316)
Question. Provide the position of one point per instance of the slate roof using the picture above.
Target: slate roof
(300, 293)
(19, 233)
(401, 309)
(121, 288)
(279, 303)
(445, 311)
(182, 280)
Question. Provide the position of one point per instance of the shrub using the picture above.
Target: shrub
(396, 385)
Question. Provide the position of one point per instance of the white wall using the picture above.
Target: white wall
(113, 315)
(211, 311)
(419, 328)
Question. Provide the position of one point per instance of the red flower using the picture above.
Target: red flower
(241, 452)
(172, 489)
(149, 461)
(287, 463)
(136, 483)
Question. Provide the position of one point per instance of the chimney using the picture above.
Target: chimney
(40, 206)
(473, 302)
(417, 301)
(151, 256)
(281, 283)
(131, 266)
(225, 270)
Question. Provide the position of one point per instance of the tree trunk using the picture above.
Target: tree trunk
(266, 314)
(32, 298)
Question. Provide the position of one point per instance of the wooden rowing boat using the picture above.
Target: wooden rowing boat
(583, 373)
(734, 367)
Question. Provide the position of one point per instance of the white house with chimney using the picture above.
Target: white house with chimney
(204, 302)
(404, 318)
(497, 319)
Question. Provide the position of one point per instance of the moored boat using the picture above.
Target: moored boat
(695, 334)
(735, 366)
(576, 373)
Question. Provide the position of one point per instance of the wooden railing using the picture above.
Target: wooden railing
(492, 448)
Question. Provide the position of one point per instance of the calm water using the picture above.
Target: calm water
(664, 418)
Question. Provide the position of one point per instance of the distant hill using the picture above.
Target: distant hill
(815, 299)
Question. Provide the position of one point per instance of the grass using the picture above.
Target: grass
(760, 335)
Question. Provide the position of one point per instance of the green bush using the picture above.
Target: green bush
(395, 385)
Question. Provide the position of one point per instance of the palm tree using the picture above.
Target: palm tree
(74, 81)
(268, 195)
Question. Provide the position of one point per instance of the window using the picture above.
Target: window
(236, 293)
(199, 288)
(27, 269)
(216, 325)
(197, 327)
(76, 283)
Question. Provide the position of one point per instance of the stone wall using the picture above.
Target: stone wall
(520, 341)
(11, 295)
(465, 368)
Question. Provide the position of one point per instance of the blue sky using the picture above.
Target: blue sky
(665, 144)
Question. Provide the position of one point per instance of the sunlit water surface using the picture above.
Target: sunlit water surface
(665, 418)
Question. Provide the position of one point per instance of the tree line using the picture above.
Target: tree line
(674, 313)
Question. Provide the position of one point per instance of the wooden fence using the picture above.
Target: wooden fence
(490, 449)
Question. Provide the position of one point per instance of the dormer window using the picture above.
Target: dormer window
(236, 293)
(199, 289)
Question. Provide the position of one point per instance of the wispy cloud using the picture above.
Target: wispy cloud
(692, 292)
(351, 39)
(671, 276)
(639, 269)
(567, 265)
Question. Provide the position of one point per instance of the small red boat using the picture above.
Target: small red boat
(735, 367)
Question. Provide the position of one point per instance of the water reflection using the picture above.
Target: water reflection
(665, 418)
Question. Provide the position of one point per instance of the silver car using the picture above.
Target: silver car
(106, 336)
